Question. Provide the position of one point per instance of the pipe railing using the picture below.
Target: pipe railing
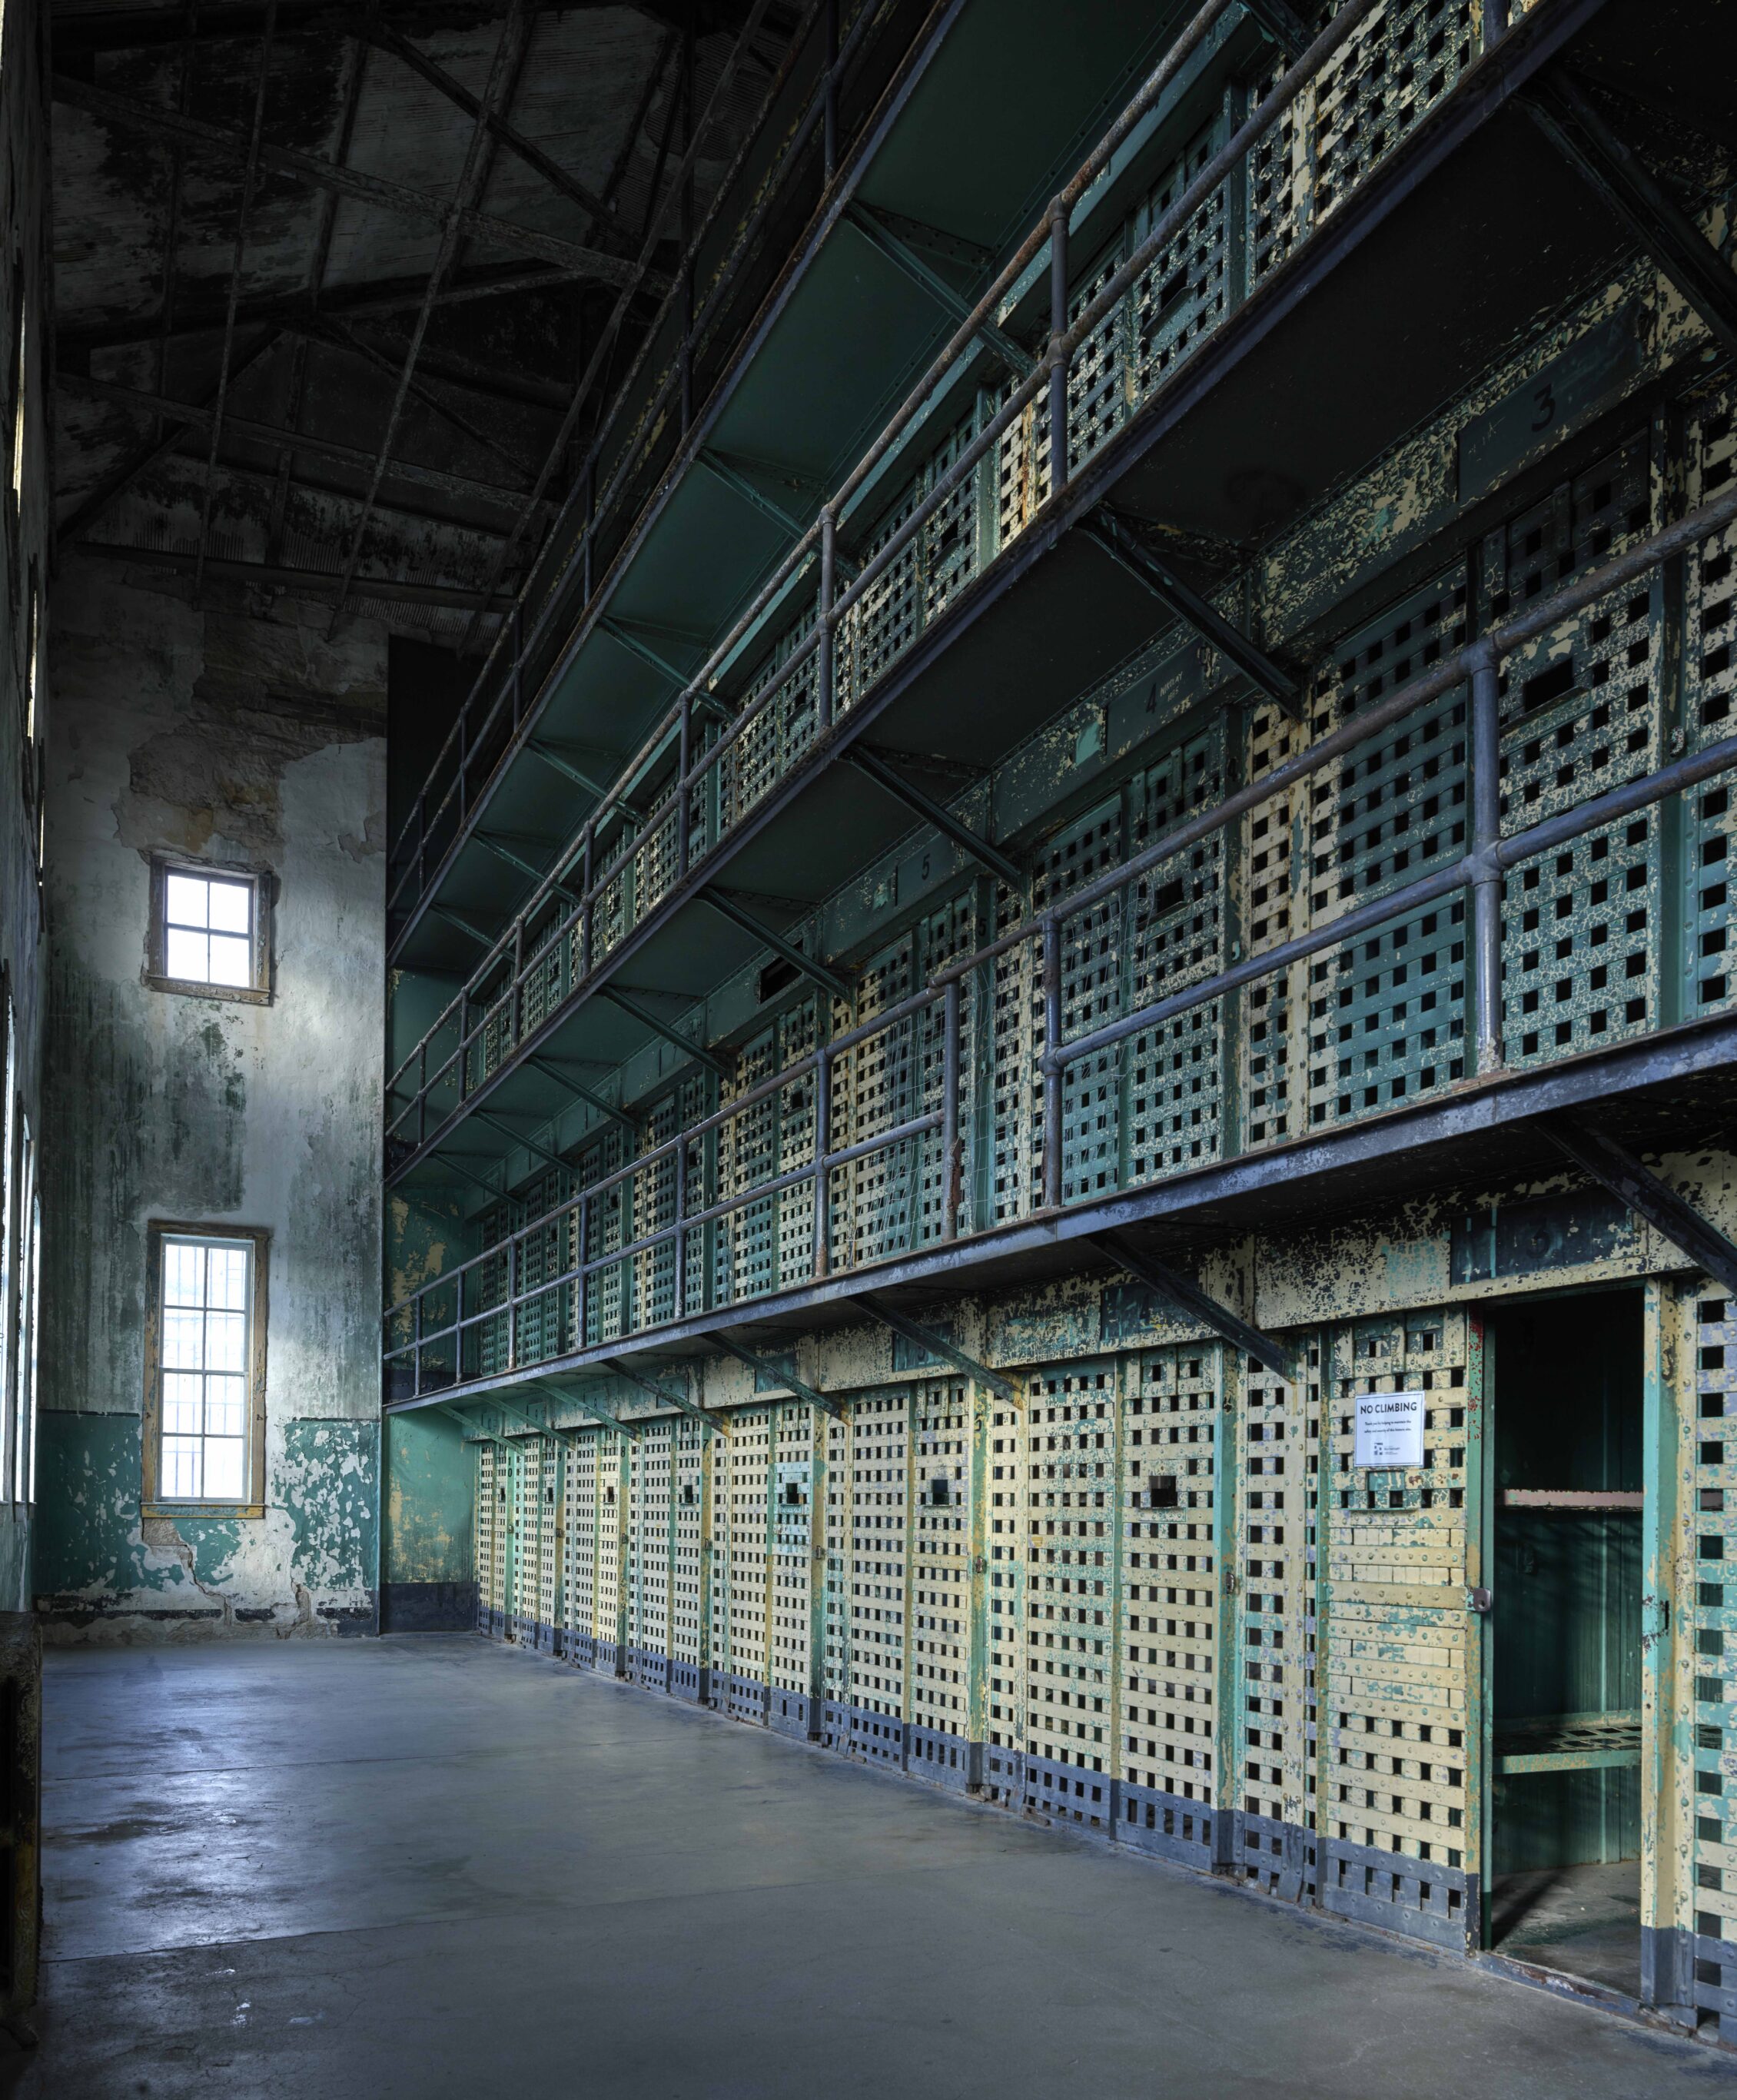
(832, 610)
(1479, 872)
(596, 513)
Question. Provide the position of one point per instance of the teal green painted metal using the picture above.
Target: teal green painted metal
(1229, 1679)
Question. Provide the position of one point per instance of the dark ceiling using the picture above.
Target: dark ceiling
(326, 279)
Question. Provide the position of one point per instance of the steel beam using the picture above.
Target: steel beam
(935, 812)
(647, 1019)
(312, 583)
(565, 767)
(1124, 546)
(1158, 1276)
(1280, 23)
(1575, 1133)
(502, 851)
(464, 925)
(727, 908)
(221, 143)
(633, 639)
(776, 1374)
(193, 415)
(659, 1390)
(936, 1345)
(496, 1122)
(1556, 104)
(733, 478)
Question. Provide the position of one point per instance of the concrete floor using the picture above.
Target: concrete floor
(427, 1867)
(1582, 1921)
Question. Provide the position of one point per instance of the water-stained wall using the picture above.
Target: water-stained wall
(234, 733)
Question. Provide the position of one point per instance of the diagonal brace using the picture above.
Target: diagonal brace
(648, 1019)
(738, 483)
(464, 925)
(1126, 548)
(572, 1390)
(659, 1390)
(1171, 1283)
(502, 851)
(937, 1345)
(592, 1100)
(1021, 362)
(1613, 1168)
(935, 812)
(827, 980)
(1627, 185)
(565, 768)
(776, 1375)
(1279, 22)
(518, 1137)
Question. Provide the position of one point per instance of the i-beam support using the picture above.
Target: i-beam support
(1615, 1168)
(565, 767)
(515, 1137)
(1281, 25)
(1170, 1283)
(932, 812)
(776, 1375)
(938, 1345)
(726, 906)
(661, 1391)
(733, 478)
(464, 925)
(1628, 186)
(1125, 547)
(647, 1019)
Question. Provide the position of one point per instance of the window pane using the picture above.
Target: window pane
(227, 1286)
(181, 1403)
(232, 960)
(231, 907)
(184, 900)
(181, 1468)
(185, 956)
(183, 1339)
(182, 1268)
(226, 1340)
(223, 1469)
(226, 1399)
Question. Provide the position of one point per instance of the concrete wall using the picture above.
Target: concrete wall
(234, 732)
(24, 575)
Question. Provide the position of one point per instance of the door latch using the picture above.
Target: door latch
(1481, 1601)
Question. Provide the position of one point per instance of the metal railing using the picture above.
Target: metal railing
(496, 700)
(595, 894)
(436, 1337)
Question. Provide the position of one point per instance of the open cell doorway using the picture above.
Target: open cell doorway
(1564, 1684)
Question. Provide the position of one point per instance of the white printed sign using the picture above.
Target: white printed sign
(1390, 1429)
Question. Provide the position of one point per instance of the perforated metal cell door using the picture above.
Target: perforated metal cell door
(488, 1530)
(837, 1509)
(689, 1602)
(796, 1474)
(1272, 886)
(1072, 1425)
(1008, 1690)
(612, 1531)
(654, 1205)
(648, 1554)
(746, 1245)
(750, 1492)
(1171, 1524)
(940, 1583)
(598, 1230)
(580, 1545)
(776, 733)
(1092, 943)
(879, 1575)
(1583, 710)
(1385, 1014)
(1401, 1693)
(1384, 79)
(875, 1089)
(1183, 294)
(528, 1527)
(1710, 700)
(1694, 1791)
(797, 1029)
(539, 1325)
(550, 1541)
(1178, 921)
(1276, 1737)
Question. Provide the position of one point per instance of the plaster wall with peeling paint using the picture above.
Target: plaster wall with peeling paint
(218, 734)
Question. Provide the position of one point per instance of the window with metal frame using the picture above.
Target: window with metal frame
(205, 1369)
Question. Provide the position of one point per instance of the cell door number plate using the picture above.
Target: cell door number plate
(1389, 1429)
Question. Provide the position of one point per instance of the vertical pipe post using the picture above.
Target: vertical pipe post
(518, 665)
(582, 1264)
(1058, 328)
(588, 908)
(514, 1268)
(823, 618)
(950, 1061)
(831, 102)
(1486, 889)
(684, 811)
(681, 1285)
(1052, 1062)
(591, 494)
(823, 1176)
